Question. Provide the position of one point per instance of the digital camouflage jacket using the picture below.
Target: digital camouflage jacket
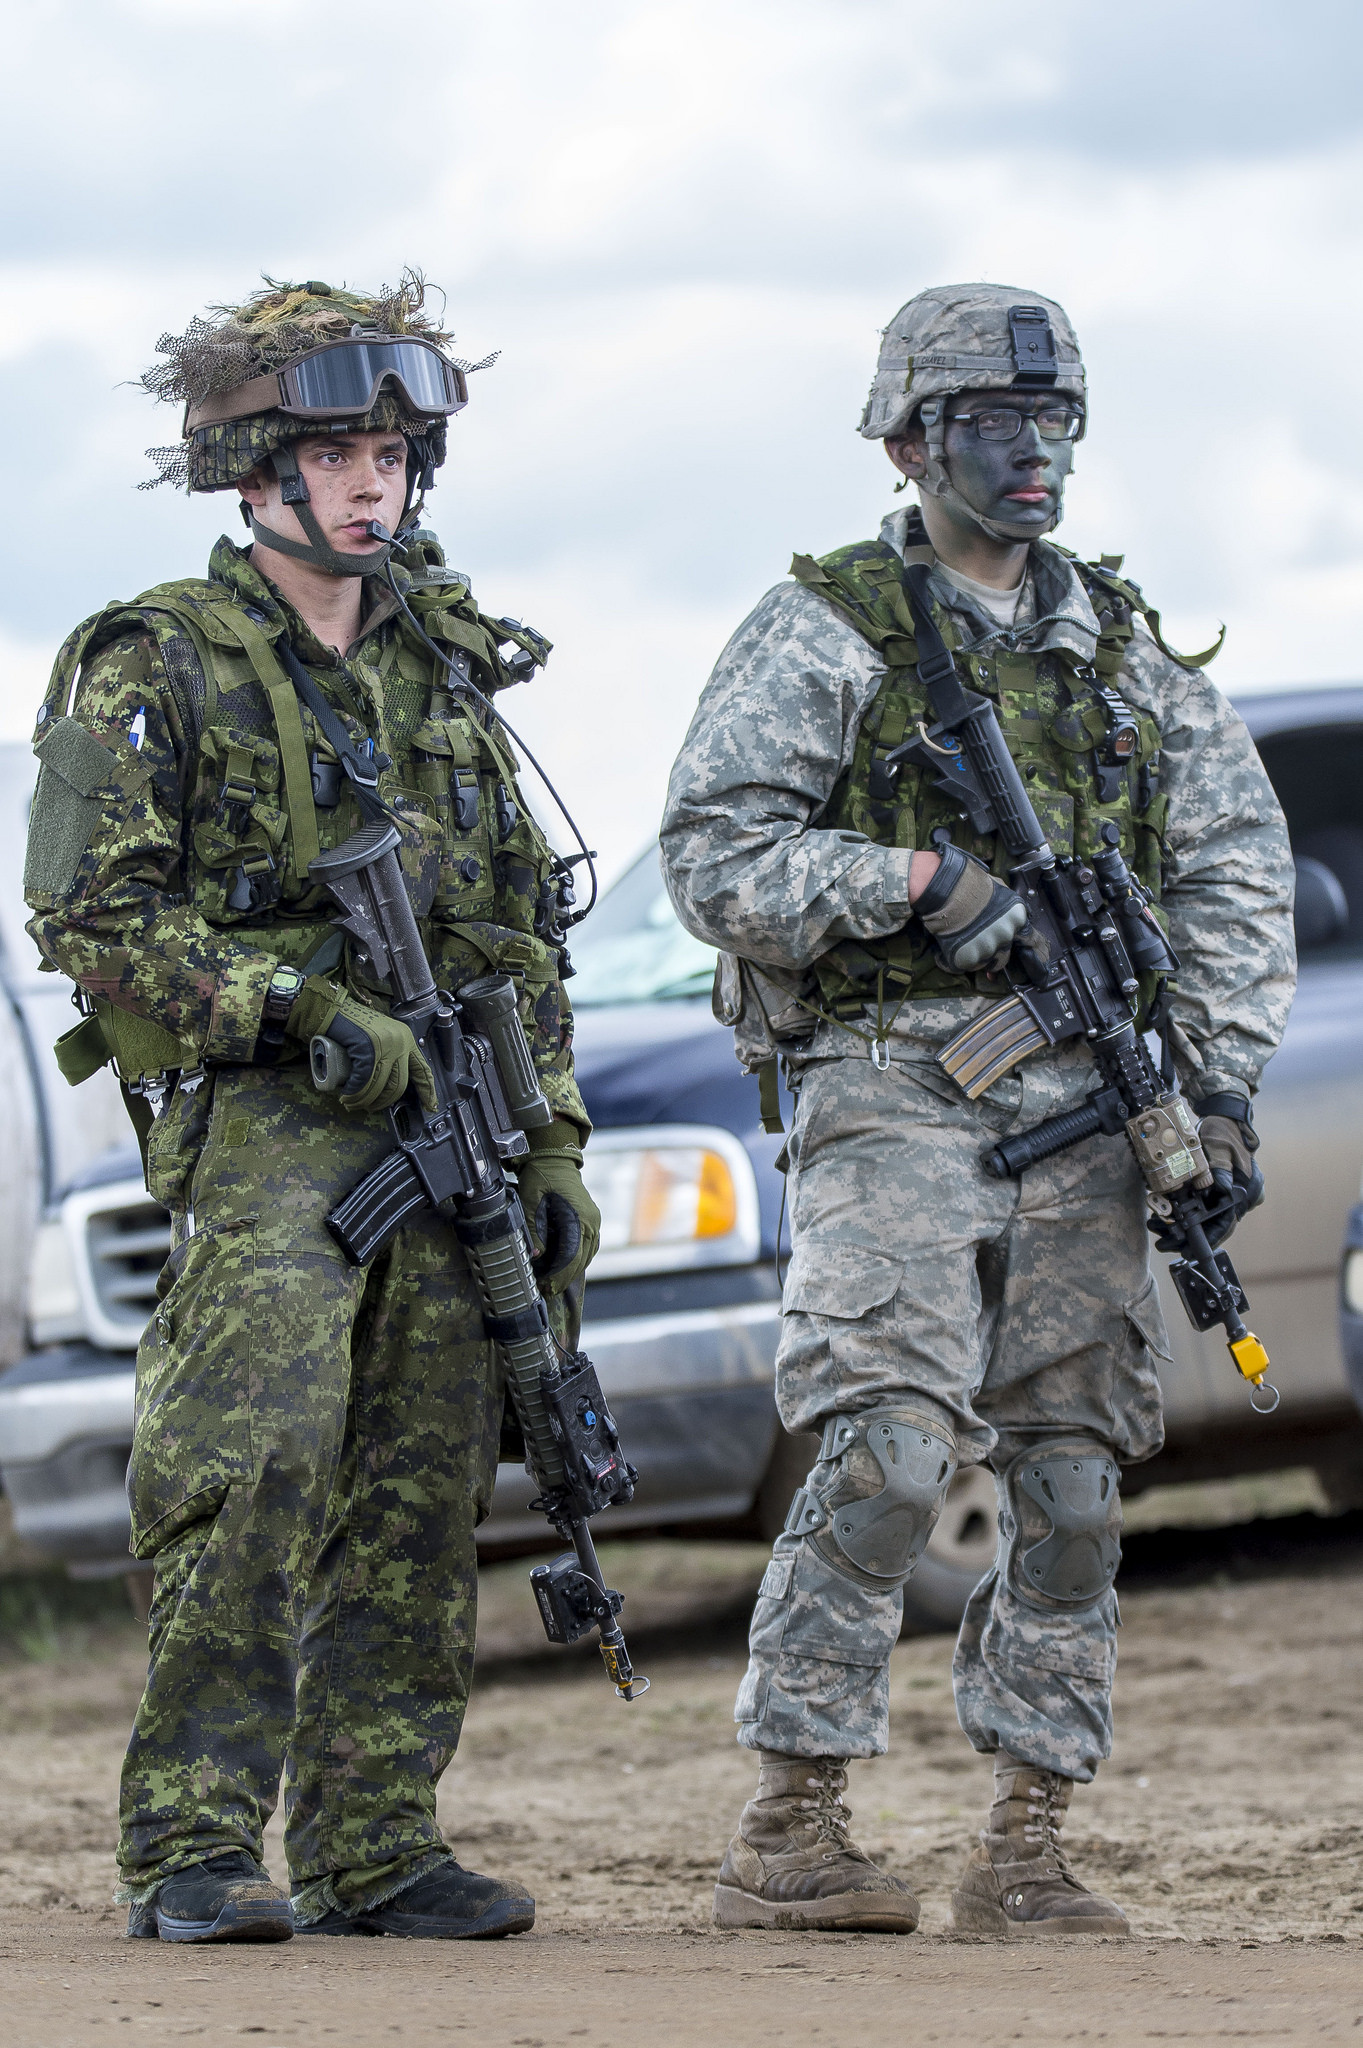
(762, 860)
(179, 804)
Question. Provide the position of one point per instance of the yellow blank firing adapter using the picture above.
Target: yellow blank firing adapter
(1252, 1360)
(1251, 1357)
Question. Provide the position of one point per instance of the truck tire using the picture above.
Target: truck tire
(791, 1459)
(959, 1553)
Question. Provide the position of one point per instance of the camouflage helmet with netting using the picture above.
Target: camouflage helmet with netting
(266, 332)
(967, 337)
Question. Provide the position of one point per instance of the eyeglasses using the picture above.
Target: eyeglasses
(1004, 423)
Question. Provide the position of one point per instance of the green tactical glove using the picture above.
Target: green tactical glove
(383, 1053)
(973, 917)
(564, 1221)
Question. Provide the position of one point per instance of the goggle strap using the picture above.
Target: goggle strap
(261, 394)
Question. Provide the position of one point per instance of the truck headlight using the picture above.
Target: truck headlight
(671, 1196)
(1353, 1282)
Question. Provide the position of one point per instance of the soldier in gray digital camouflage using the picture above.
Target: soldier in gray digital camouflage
(315, 1440)
(933, 1315)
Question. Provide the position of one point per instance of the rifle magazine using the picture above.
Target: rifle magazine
(375, 1210)
(991, 1045)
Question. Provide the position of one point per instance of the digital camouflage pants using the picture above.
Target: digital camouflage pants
(314, 1447)
(1003, 1313)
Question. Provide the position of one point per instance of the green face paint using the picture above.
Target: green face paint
(1019, 484)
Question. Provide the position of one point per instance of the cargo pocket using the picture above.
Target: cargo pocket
(192, 1433)
(819, 1650)
(1073, 1656)
(836, 1326)
(1137, 1428)
(829, 1278)
(175, 1143)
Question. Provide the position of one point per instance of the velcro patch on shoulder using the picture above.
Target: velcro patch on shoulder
(72, 751)
(78, 776)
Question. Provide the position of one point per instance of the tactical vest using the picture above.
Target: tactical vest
(268, 794)
(1057, 715)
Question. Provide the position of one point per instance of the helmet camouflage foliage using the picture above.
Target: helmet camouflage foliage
(269, 330)
(959, 337)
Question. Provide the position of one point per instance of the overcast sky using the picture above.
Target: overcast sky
(683, 226)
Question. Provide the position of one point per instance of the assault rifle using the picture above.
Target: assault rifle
(454, 1158)
(1091, 933)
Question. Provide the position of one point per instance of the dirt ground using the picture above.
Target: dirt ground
(1229, 1824)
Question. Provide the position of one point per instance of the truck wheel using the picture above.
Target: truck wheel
(792, 1457)
(960, 1551)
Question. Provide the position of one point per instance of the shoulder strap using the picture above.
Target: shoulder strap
(936, 669)
(61, 684)
(361, 773)
(1102, 577)
(277, 682)
(862, 582)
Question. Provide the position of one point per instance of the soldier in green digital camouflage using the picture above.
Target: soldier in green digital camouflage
(315, 1443)
(932, 1315)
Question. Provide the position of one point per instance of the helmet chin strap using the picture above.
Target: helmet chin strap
(317, 551)
(936, 480)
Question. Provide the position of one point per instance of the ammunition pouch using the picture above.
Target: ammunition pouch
(1089, 758)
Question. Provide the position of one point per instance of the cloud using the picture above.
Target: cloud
(684, 224)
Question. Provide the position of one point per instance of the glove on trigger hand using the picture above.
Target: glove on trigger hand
(1230, 1145)
(564, 1221)
(971, 914)
(384, 1056)
(1237, 1184)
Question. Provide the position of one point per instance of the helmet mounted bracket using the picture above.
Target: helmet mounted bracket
(1035, 363)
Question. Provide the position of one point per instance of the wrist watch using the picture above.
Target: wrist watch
(280, 998)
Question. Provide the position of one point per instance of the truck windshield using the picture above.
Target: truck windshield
(632, 950)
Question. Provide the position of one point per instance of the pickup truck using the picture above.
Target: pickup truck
(682, 1306)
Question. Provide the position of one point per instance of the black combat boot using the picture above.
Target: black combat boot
(1019, 1883)
(448, 1903)
(225, 1898)
(792, 1863)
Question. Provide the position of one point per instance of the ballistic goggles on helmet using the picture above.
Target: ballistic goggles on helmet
(341, 380)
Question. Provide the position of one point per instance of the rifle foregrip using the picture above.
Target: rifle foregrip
(499, 1260)
(1012, 1156)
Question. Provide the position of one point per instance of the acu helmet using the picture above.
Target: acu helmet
(968, 337)
(297, 360)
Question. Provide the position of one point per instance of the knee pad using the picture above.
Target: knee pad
(1062, 1525)
(872, 1501)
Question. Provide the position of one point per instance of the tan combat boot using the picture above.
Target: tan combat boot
(792, 1865)
(1019, 1883)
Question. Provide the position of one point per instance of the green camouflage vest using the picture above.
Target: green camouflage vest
(267, 793)
(1056, 715)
